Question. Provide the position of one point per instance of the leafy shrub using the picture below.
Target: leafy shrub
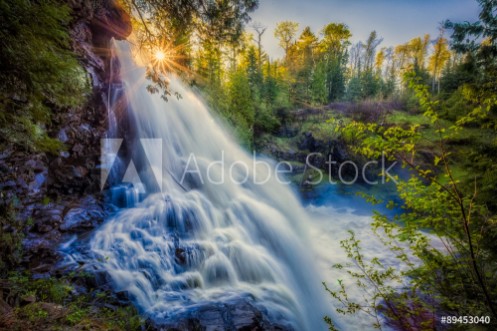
(39, 72)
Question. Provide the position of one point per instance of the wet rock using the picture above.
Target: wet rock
(48, 218)
(38, 182)
(237, 314)
(35, 165)
(41, 250)
(180, 255)
(86, 215)
(122, 296)
(28, 299)
(62, 136)
(64, 155)
(80, 172)
(78, 148)
(8, 184)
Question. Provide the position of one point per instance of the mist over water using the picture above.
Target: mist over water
(198, 243)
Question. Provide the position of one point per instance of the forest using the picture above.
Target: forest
(429, 104)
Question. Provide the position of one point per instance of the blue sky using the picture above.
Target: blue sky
(397, 21)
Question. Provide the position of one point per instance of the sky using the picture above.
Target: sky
(397, 21)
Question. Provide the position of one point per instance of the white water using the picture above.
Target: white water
(234, 240)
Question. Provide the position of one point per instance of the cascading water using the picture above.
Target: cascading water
(204, 240)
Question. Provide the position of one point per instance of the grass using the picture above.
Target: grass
(402, 118)
(460, 143)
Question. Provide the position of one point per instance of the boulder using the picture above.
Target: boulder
(84, 216)
(236, 314)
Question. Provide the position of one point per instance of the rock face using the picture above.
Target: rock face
(57, 196)
(81, 129)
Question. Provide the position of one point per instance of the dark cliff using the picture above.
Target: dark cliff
(56, 196)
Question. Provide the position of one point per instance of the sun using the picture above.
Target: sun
(167, 58)
(160, 55)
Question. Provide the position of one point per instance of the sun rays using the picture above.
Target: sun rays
(169, 59)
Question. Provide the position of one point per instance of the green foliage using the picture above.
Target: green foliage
(39, 72)
(162, 21)
(365, 86)
(319, 93)
(53, 305)
(354, 89)
(456, 105)
(47, 290)
(467, 37)
(240, 104)
(479, 41)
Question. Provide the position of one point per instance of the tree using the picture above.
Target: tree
(419, 48)
(209, 62)
(379, 62)
(259, 29)
(285, 32)
(438, 59)
(411, 55)
(479, 41)
(370, 50)
(303, 62)
(333, 53)
(356, 59)
(467, 37)
(242, 111)
(364, 82)
(335, 38)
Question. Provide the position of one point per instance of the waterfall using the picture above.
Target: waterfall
(196, 240)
